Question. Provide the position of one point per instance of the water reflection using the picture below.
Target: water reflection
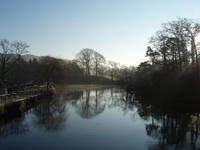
(176, 129)
(13, 125)
(51, 115)
(72, 96)
(70, 112)
(91, 104)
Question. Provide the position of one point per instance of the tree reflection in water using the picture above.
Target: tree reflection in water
(51, 115)
(94, 102)
(169, 128)
(13, 125)
(91, 104)
(72, 96)
(119, 98)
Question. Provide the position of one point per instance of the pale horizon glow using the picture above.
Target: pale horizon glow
(118, 29)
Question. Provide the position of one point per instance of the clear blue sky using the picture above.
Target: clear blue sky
(119, 29)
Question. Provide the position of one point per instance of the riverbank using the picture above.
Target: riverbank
(25, 103)
(20, 101)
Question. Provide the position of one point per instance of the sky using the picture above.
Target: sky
(118, 29)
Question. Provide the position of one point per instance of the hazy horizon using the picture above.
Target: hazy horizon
(119, 30)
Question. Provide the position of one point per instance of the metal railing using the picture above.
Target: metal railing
(23, 94)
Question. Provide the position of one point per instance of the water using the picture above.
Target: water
(102, 119)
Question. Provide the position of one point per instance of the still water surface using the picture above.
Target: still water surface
(102, 119)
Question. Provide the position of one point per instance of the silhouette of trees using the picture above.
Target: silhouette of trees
(152, 54)
(98, 61)
(74, 73)
(84, 59)
(50, 69)
(173, 67)
(179, 40)
(90, 61)
(17, 71)
(20, 48)
(113, 68)
(19, 65)
(170, 45)
(192, 29)
(126, 74)
(5, 57)
(11, 63)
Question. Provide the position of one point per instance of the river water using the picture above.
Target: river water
(102, 119)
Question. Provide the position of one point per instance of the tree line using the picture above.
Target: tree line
(89, 66)
(171, 51)
(10, 55)
(172, 71)
(175, 45)
(94, 63)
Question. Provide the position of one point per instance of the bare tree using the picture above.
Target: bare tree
(5, 57)
(85, 58)
(192, 28)
(175, 30)
(159, 44)
(98, 61)
(113, 69)
(152, 54)
(20, 48)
